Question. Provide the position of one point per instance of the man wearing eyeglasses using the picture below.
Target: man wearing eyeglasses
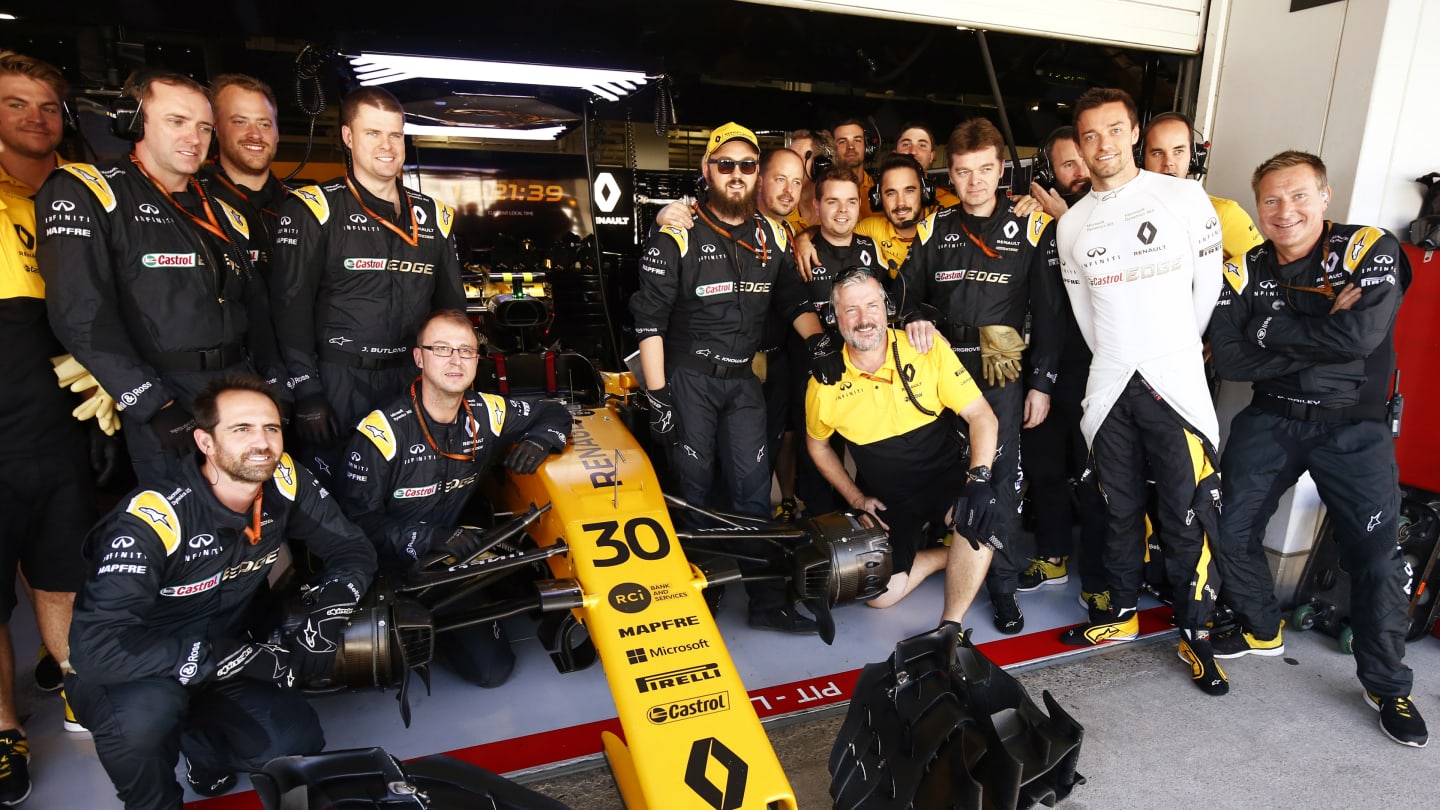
(984, 270)
(414, 464)
(699, 316)
(359, 261)
(1309, 318)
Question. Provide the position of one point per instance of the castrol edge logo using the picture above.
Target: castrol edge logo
(168, 260)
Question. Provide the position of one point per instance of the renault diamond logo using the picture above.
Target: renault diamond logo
(607, 192)
(1146, 234)
(705, 755)
(1011, 229)
(420, 216)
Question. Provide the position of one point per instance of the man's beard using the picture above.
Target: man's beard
(235, 466)
(730, 208)
(862, 343)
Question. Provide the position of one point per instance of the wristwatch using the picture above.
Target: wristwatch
(981, 473)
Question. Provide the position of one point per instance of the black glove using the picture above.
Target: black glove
(104, 455)
(175, 428)
(975, 514)
(664, 422)
(313, 645)
(464, 543)
(526, 456)
(827, 361)
(258, 662)
(314, 421)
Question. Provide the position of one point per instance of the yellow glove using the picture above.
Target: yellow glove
(72, 375)
(99, 406)
(1001, 350)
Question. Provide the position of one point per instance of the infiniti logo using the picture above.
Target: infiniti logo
(707, 248)
(62, 205)
(201, 540)
(122, 542)
(1093, 252)
(417, 449)
(149, 208)
(285, 220)
(952, 237)
(359, 219)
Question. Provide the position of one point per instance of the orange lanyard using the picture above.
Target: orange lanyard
(762, 252)
(253, 530)
(424, 428)
(986, 249)
(210, 223)
(412, 239)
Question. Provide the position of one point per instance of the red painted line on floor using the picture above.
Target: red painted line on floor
(571, 742)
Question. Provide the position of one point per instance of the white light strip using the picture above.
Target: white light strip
(380, 68)
(488, 133)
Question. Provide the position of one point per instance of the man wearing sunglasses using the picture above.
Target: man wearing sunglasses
(1309, 318)
(984, 270)
(699, 315)
(414, 464)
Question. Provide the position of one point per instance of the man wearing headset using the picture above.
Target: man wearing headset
(699, 315)
(359, 262)
(887, 405)
(1170, 148)
(904, 200)
(149, 276)
(982, 270)
(852, 149)
(809, 145)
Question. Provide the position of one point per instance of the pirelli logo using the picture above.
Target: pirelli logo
(677, 677)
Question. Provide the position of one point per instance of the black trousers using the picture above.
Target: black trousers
(1353, 465)
(352, 394)
(722, 427)
(1141, 434)
(1055, 458)
(1007, 476)
(141, 727)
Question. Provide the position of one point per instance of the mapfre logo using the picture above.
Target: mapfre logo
(687, 709)
(168, 260)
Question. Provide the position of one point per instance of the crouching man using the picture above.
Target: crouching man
(162, 662)
(415, 464)
(888, 406)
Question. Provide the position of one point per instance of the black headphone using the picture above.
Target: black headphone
(890, 310)
(1041, 171)
(927, 188)
(127, 120)
(1199, 147)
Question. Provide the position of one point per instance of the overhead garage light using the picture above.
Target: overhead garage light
(383, 68)
(484, 133)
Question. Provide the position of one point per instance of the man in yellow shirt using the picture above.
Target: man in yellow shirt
(1170, 149)
(888, 406)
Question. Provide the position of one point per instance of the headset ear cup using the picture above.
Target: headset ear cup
(1199, 154)
(126, 120)
(927, 191)
(876, 204)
